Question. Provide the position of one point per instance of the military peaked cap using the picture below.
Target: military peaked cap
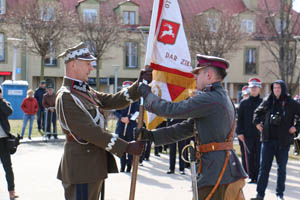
(210, 61)
(80, 52)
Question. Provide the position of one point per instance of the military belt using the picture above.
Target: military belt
(214, 146)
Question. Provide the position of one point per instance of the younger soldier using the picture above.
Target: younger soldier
(212, 114)
(89, 148)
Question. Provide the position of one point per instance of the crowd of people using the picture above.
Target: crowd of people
(265, 128)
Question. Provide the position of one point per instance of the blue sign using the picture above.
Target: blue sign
(18, 70)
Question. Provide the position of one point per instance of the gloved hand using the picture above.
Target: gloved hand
(146, 135)
(145, 74)
(135, 147)
(144, 90)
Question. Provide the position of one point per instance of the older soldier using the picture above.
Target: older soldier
(89, 148)
(212, 114)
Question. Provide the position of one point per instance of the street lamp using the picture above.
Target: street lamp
(116, 68)
(15, 42)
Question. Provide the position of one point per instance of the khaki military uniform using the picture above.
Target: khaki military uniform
(88, 150)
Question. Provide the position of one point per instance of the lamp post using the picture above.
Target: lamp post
(116, 68)
(15, 42)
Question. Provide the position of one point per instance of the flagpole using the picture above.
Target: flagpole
(135, 157)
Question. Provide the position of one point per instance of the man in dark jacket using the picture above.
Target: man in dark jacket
(39, 94)
(5, 111)
(246, 130)
(274, 118)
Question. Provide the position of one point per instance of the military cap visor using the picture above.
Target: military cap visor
(210, 61)
(80, 52)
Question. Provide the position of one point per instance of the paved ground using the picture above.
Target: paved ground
(35, 166)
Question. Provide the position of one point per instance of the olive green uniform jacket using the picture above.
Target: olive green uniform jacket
(89, 159)
(213, 114)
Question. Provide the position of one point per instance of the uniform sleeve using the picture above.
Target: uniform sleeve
(120, 99)
(259, 113)
(80, 124)
(198, 106)
(174, 133)
(240, 122)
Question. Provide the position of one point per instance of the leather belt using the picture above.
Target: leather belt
(214, 146)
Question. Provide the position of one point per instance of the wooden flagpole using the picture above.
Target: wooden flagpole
(135, 157)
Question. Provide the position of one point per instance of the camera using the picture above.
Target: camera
(276, 119)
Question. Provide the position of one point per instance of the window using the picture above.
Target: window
(213, 24)
(250, 61)
(279, 25)
(47, 14)
(90, 15)
(2, 47)
(129, 17)
(248, 25)
(131, 54)
(50, 59)
(2, 7)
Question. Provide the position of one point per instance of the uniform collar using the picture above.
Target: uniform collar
(76, 84)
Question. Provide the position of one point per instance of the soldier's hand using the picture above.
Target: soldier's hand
(259, 127)
(144, 90)
(125, 120)
(146, 135)
(241, 138)
(292, 130)
(145, 74)
(135, 147)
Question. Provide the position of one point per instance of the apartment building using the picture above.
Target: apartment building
(124, 63)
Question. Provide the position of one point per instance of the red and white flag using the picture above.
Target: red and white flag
(169, 57)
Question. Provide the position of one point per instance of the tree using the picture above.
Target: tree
(216, 35)
(44, 26)
(100, 35)
(277, 32)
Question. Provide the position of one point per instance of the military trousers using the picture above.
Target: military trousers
(232, 191)
(88, 191)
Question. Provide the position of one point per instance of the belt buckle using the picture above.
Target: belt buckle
(213, 147)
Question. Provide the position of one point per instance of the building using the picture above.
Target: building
(124, 63)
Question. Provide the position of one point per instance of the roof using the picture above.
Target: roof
(189, 8)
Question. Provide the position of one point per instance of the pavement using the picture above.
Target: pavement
(36, 161)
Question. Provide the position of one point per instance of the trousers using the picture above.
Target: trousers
(88, 191)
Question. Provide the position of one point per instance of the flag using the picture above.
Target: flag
(169, 57)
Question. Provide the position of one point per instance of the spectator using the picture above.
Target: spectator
(245, 95)
(30, 107)
(49, 106)
(5, 111)
(247, 132)
(38, 94)
(274, 118)
(297, 135)
(125, 126)
(245, 92)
